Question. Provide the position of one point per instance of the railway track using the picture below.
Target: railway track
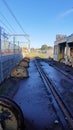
(64, 71)
(62, 112)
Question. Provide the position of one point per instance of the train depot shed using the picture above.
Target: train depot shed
(63, 49)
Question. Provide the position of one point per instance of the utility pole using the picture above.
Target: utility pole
(0, 41)
(14, 44)
(29, 46)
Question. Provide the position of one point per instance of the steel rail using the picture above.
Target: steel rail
(57, 98)
(70, 76)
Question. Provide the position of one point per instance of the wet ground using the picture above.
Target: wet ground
(62, 83)
(9, 87)
(61, 66)
(34, 100)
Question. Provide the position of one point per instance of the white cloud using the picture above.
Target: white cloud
(67, 12)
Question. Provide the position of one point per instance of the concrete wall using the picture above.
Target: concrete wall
(7, 63)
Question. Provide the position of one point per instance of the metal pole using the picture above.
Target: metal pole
(29, 46)
(0, 41)
(1, 71)
(14, 50)
(67, 53)
(18, 46)
(14, 44)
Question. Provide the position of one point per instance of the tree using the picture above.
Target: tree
(44, 47)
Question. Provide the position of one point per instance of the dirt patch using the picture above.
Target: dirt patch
(9, 87)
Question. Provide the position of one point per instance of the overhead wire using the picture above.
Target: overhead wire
(5, 25)
(11, 12)
(13, 16)
(7, 21)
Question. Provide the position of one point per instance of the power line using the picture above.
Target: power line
(7, 21)
(15, 19)
(5, 25)
(13, 15)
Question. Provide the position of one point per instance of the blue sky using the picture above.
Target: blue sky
(41, 19)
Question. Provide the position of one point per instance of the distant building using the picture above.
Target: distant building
(60, 37)
(63, 49)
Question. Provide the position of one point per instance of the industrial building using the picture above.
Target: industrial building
(63, 49)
